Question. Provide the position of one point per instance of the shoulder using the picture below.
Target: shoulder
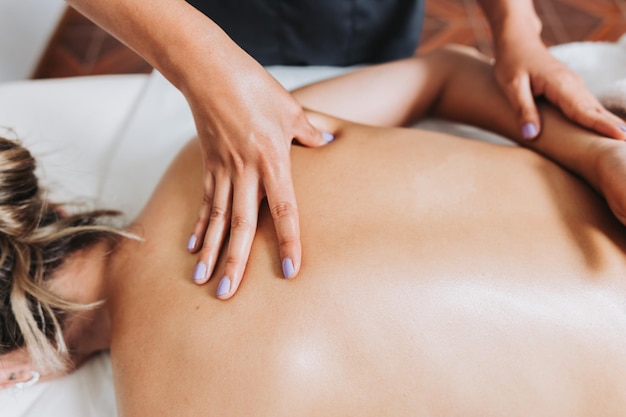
(182, 180)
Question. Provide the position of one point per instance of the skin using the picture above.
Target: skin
(246, 121)
(445, 92)
(86, 332)
(449, 286)
(463, 277)
(525, 69)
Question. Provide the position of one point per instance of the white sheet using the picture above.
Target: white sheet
(70, 125)
(87, 392)
(89, 134)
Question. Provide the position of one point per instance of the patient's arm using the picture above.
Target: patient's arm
(457, 83)
(471, 96)
(401, 92)
(391, 94)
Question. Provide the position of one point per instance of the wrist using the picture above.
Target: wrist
(511, 21)
(184, 53)
(514, 34)
(517, 25)
(194, 58)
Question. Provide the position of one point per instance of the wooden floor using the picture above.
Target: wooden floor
(81, 48)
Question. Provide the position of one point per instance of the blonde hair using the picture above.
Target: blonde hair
(34, 241)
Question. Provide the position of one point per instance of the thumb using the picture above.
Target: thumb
(520, 97)
(308, 135)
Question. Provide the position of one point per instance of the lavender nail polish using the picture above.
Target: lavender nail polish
(288, 268)
(622, 128)
(328, 137)
(200, 272)
(223, 287)
(529, 131)
(191, 244)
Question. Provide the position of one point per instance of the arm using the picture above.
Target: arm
(525, 69)
(392, 94)
(245, 120)
(472, 96)
(401, 92)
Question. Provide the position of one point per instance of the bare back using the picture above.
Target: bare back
(440, 277)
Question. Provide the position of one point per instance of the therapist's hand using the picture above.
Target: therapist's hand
(525, 69)
(246, 122)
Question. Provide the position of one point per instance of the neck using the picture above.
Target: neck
(87, 332)
(82, 280)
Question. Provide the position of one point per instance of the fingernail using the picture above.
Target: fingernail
(200, 272)
(288, 269)
(328, 137)
(622, 128)
(191, 244)
(223, 287)
(529, 131)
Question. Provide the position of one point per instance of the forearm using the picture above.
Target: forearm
(391, 94)
(171, 35)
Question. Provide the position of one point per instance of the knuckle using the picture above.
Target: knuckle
(282, 209)
(217, 214)
(231, 263)
(268, 160)
(285, 242)
(259, 140)
(294, 110)
(205, 255)
(565, 83)
(561, 84)
(269, 151)
(240, 223)
(274, 174)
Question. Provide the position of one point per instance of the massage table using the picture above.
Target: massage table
(104, 141)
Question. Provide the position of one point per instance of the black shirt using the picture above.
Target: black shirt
(319, 32)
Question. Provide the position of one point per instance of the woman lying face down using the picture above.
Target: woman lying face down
(443, 276)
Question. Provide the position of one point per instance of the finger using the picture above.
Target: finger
(193, 244)
(242, 229)
(519, 94)
(618, 128)
(308, 135)
(218, 213)
(600, 120)
(587, 111)
(281, 200)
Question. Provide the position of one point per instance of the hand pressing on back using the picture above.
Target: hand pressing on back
(246, 122)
